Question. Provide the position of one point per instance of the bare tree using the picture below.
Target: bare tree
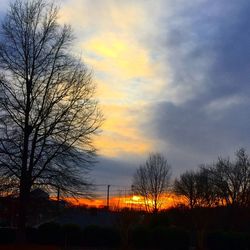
(8, 187)
(197, 188)
(151, 181)
(232, 179)
(48, 114)
(205, 188)
(224, 183)
(186, 187)
(242, 168)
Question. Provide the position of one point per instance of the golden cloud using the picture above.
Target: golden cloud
(123, 68)
(114, 55)
(120, 134)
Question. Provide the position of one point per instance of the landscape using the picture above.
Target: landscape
(124, 125)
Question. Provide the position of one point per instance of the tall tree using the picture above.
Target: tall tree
(48, 113)
(151, 181)
(232, 179)
(224, 183)
(186, 187)
(206, 190)
(197, 188)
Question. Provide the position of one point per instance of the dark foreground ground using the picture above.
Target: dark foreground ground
(28, 247)
(39, 247)
(175, 229)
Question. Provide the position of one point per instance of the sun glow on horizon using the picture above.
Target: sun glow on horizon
(130, 201)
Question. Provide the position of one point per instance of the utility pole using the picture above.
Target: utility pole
(58, 199)
(108, 197)
(58, 195)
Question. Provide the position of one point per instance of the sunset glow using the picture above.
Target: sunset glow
(124, 124)
(132, 202)
(156, 71)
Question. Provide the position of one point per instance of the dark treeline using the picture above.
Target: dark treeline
(225, 182)
(215, 213)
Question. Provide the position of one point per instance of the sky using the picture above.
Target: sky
(172, 77)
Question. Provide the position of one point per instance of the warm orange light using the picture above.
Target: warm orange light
(129, 201)
(136, 198)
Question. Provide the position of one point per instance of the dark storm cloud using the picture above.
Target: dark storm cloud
(208, 48)
(212, 39)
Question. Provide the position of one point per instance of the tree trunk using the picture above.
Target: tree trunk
(24, 180)
(22, 211)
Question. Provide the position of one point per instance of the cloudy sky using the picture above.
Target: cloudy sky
(172, 76)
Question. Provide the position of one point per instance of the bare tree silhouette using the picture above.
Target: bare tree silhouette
(225, 182)
(232, 179)
(151, 181)
(197, 188)
(186, 186)
(48, 114)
